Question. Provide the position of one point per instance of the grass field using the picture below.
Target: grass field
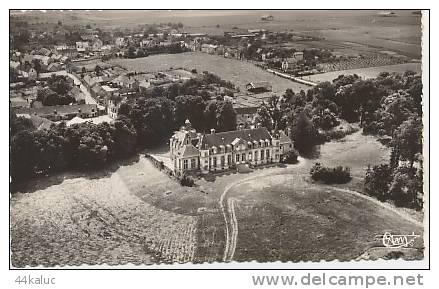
(238, 72)
(133, 213)
(369, 72)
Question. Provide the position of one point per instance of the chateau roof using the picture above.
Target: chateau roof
(188, 151)
(228, 137)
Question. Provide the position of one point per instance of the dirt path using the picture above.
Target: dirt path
(228, 211)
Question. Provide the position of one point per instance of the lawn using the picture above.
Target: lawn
(282, 218)
(238, 72)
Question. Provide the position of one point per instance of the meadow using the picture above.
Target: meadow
(238, 72)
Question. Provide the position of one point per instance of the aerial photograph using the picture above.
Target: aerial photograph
(155, 137)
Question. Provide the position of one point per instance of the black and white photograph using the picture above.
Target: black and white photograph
(202, 137)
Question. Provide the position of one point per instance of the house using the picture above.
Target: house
(96, 44)
(44, 61)
(82, 46)
(106, 48)
(209, 48)
(191, 151)
(144, 85)
(60, 112)
(32, 73)
(291, 62)
(267, 18)
(54, 67)
(285, 143)
(245, 116)
(298, 56)
(120, 41)
(126, 81)
(44, 51)
(113, 106)
(261, 86)
(15, 65)
(40, 122)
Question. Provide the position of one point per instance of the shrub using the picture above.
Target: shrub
(186, 181)
(336, 175)
(377, 181)
(289, 157)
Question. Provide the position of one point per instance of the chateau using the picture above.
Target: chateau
(192, 151)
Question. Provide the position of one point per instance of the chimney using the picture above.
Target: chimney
(212, 131)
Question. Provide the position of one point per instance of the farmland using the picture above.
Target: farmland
(99, 219)
(369, 72)
(238, 72)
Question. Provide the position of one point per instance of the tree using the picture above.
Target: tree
(50, 147)
(23, 151)
(37, 66)
(124, 136)
(263, 117)
(192, 108)
(377, 181)
(210, 116)
(98, 70)
(226, 116)
(153, 120)
(17, 124)
(407, 139)
(131, 52)
(304, 134)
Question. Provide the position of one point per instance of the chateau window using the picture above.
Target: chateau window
(185, 164)
(237, 157)
(243, 157)
(249, 156)
(256, 155)
(229, 159)
(262, 154)
(223, 160)
(193, 163)
(214, 161)
(268, 154)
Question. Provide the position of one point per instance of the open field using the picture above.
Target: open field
(100, 219)
(134, 213)
(401, 34)
(369, 72)
(238, 72)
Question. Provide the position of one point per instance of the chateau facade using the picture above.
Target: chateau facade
(192, 151)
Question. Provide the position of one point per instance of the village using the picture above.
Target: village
(96, 87)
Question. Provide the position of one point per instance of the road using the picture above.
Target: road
(88, 98)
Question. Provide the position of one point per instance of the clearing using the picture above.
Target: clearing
(238, 72)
